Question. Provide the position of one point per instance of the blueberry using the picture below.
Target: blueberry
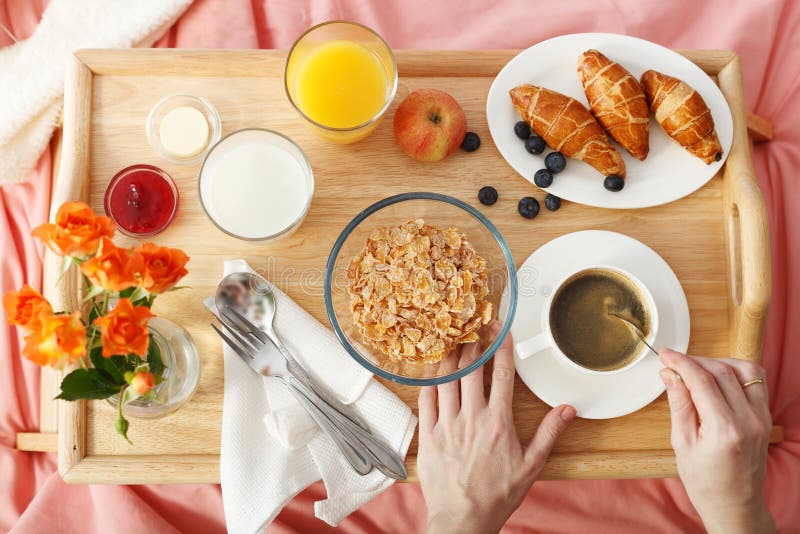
(534, 144)
(487, 195)
(552, 202)
(555, 162)
(522, 130)
(528, 207)
(543, 178)
(614, 182)
(471, 142)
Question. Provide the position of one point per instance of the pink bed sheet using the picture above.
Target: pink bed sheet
(34, 499)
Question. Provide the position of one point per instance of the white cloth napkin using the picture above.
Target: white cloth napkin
(271, 448)
(32, 71)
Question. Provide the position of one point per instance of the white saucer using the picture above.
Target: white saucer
(556, 382)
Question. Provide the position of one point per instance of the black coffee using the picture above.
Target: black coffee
(582, 326)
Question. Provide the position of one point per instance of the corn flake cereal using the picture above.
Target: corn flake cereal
(416, 291)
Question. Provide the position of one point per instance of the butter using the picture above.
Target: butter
(184, 132)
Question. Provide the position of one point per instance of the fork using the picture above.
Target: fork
(233, 317)
(360, 447)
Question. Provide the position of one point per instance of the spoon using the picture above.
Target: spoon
(636, 330)
(251, 296)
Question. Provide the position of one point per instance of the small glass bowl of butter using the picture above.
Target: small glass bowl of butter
(182, 128)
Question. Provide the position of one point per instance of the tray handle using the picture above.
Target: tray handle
(747, 229)
(63, 291)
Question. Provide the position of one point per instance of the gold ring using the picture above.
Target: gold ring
(753, 381)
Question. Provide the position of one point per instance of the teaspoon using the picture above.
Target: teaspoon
(636, 330)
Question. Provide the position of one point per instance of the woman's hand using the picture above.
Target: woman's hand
(473, 470)
(720, 433)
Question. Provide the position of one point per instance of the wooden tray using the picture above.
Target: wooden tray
(716, 241)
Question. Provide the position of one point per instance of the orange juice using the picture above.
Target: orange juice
(341, 84)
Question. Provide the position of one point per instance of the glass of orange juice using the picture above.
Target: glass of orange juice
(341, 76)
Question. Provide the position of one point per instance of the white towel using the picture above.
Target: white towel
(32, 71)
(271, 448)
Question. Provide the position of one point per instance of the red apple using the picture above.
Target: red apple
(429, 125)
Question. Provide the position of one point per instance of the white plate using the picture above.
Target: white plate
(556, 382)
(668, 173)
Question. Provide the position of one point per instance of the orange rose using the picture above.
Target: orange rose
(113, 268)
(26, 307)
(59, 339)
(124, 329)
(163, 267)
(142, 382)
(76, 232)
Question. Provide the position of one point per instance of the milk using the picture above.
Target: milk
(253, 188)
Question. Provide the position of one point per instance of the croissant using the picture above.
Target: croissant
(617, 101)
(682, 113)
(567, 126)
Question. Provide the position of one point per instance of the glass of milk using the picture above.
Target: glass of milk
(256, 184)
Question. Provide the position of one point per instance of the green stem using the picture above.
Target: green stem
(97, 311)
(88, 287)
(91, 339)
(100, 313)
(121, 397)
(122, 423)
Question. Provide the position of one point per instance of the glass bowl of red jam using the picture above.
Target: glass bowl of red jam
(141, 200)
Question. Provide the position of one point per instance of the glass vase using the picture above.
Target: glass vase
(181, 372)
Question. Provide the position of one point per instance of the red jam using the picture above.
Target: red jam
(142, 200)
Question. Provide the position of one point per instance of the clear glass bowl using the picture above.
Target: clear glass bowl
(146, 197)
(181, 372)
(442, 211)
(170, 103)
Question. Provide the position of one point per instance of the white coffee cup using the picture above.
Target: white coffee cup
(545, 340)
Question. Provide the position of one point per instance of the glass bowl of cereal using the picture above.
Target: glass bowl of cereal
(414, 281)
